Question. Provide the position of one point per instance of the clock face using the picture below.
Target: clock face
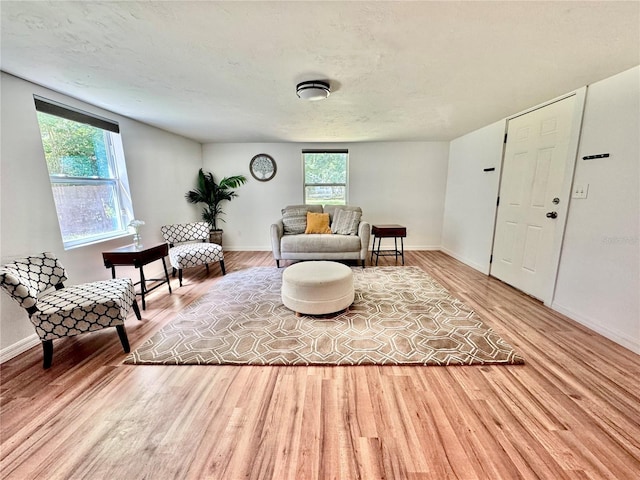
(263, 167)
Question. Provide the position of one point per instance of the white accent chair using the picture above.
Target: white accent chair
(56, 311)
(189, 247)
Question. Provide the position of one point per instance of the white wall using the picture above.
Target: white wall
(470, 206)
(599, 276)
(161, 167)
(399, 182)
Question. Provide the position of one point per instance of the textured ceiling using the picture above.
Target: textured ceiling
(226, 71)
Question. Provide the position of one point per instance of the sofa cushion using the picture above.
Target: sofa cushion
(345, 222)
(319, 243)
(331, 210)
(294, 218)
(317, 223)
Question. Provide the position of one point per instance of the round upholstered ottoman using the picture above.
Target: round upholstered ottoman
(317, 288)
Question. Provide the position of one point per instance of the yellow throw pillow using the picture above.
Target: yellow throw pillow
(317, 223)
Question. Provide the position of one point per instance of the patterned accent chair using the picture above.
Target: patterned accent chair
(66, 311)
(189, 247)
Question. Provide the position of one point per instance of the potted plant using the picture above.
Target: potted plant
(212, 194)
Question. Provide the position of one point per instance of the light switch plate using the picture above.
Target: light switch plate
(580, 190)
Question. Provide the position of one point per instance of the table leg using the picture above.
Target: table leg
(395, 243)
(402, 247)
(373, 248)
(166, 274)
(142, 288)
(113, 271)
(378, 251)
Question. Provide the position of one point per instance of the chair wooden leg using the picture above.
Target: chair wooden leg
(222, 267)
(136, 309)
(47, 351)
(173, 272)
(206, 265)
(122, 333)
(180, 276)
(277, 263)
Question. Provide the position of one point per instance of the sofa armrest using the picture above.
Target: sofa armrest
(277, 230)
(364, 232)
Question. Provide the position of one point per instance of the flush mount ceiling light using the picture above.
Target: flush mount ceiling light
(313, 90)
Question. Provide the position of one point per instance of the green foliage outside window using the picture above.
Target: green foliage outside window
(73, 149)
(325, 168)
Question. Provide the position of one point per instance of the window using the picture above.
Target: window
(88, 176)
(325, 177)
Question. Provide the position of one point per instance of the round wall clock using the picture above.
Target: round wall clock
(263, 167)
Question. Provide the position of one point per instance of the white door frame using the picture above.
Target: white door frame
(565, 193)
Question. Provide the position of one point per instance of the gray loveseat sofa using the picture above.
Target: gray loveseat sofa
(349, 239)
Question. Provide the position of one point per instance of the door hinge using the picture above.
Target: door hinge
(498, 202)
(491, 259)
(505, 138)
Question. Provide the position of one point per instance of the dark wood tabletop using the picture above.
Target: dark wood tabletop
(391, 230)
(136, 256)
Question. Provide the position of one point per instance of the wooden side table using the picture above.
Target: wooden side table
(388, 231)
(139, 257)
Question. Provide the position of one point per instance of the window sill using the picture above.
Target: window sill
(74, 245)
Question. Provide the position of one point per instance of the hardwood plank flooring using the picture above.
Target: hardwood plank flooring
(572, 412)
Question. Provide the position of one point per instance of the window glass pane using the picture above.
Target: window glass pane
(87, 210)
(88, 178)
(325, 195)
(325, 167)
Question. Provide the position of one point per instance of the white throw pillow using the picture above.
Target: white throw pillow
(294, 220)
(345, 222)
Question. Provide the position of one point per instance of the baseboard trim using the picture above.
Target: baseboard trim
(19, 347)
(620, 338)
(466, 261)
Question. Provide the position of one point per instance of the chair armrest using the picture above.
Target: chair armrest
(277, 230)
(364, 232)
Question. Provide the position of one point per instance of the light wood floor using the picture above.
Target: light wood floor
(573, 411)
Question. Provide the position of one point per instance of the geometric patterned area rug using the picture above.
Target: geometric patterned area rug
(400, 316)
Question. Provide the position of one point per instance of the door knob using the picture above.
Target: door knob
(552, 214)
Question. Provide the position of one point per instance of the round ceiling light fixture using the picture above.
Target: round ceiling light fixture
(313, 90)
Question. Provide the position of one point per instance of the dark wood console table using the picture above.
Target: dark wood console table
(138, 257)
(388, 231)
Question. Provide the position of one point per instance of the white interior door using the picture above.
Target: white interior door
(537, 158)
